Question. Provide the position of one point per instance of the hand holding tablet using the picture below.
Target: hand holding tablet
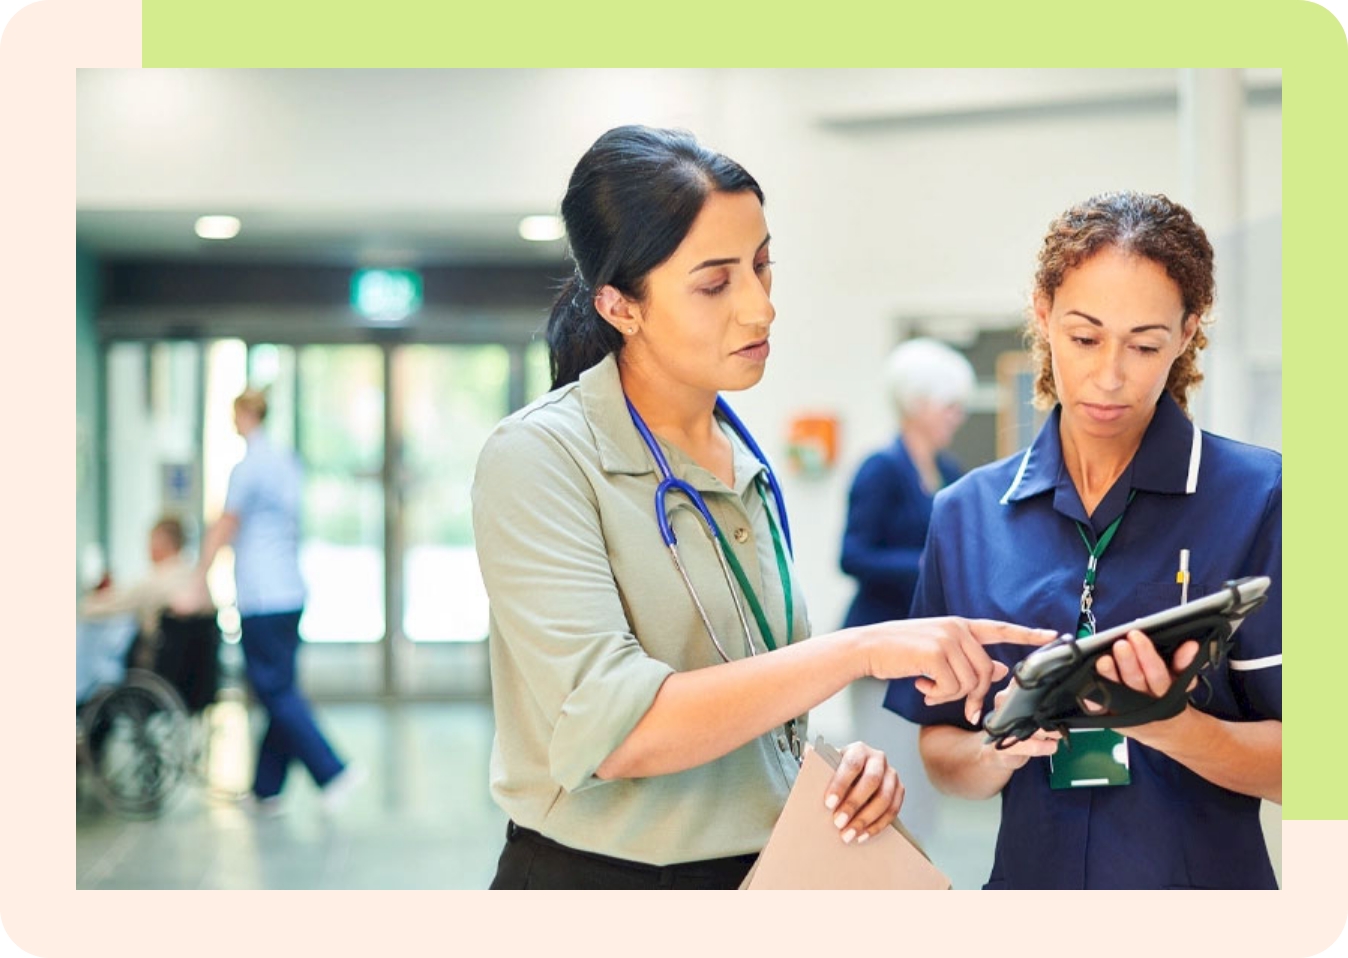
(1053, 683)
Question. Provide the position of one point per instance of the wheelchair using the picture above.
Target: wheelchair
(139, 738)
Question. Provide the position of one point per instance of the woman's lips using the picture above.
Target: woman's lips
(1103, 413)
(756, 352)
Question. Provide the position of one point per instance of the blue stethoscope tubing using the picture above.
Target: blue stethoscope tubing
(671, 483)
(668, 481)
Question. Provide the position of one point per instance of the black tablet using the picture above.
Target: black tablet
(1050, 681)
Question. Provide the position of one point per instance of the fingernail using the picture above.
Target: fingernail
(831, 802)
(862, 839)
(973, 719)
(848, 835)
(840, 820)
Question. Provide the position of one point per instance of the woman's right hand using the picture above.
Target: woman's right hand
(947, 655)
(1012, 757)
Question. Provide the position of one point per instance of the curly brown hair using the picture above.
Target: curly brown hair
(1144, 224)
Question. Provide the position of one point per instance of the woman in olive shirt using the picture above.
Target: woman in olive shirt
(627, 753)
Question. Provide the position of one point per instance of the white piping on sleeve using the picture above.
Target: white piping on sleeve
(1251, 665)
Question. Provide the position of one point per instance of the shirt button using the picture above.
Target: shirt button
(781, 743)
(741, 535)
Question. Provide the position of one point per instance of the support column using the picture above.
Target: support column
(1211, 137)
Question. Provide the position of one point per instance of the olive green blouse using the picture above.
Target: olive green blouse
(589, 616)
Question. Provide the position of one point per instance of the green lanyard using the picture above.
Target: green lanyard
(1086, 621)
(782, 570)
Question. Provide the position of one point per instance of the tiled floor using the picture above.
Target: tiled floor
(423, 819)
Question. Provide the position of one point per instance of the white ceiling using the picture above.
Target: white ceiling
(439, 165)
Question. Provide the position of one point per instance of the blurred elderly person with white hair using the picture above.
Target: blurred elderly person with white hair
(888, 512)
(889, 507)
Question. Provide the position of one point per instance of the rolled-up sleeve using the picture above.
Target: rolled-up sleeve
(562, 643)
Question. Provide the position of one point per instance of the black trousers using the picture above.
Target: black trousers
(530, 860)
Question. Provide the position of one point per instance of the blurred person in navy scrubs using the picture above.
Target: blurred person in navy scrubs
(1121, 472)
(888, 511)
(261, 518)
(890, 503)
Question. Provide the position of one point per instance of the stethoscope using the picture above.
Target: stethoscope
(730, 567)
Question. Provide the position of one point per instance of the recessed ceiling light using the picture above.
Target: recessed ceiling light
(542, 229)
(217, 227)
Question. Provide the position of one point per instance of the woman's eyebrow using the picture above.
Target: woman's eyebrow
(726, 261)
(1135, 329)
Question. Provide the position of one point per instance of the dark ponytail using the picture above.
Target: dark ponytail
(578, 337)
(632, 199)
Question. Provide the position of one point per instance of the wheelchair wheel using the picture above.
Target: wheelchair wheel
(136, 743)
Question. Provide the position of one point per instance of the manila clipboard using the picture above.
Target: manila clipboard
(805, 851)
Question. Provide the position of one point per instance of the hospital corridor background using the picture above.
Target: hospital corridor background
(378, 251)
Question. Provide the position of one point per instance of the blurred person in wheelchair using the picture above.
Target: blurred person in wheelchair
(170, 584)
(169, 591)
(146, 659)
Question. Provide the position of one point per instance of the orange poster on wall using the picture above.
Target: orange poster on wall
(812, 443)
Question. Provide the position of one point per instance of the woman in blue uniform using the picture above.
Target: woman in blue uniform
(1119, 471)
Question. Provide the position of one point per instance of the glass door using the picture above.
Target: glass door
(339, 434)
(327, 403)
(447, 399)
(388, 436)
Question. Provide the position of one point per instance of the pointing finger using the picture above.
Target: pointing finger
(992, 632)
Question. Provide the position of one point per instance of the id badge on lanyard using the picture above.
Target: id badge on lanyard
(1094, 757)
(1091, 757)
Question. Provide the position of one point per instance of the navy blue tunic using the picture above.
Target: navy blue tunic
(1003, 544)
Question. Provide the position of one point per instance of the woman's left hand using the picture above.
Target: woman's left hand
(865, 793)
(1134, 662)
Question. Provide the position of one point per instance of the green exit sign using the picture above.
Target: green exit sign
(386, 295)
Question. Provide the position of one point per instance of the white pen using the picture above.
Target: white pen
(1182, 576)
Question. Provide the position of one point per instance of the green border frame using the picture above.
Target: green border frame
(1303, 38)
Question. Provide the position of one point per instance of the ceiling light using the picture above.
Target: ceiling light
(541, 229)
(217, 227)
